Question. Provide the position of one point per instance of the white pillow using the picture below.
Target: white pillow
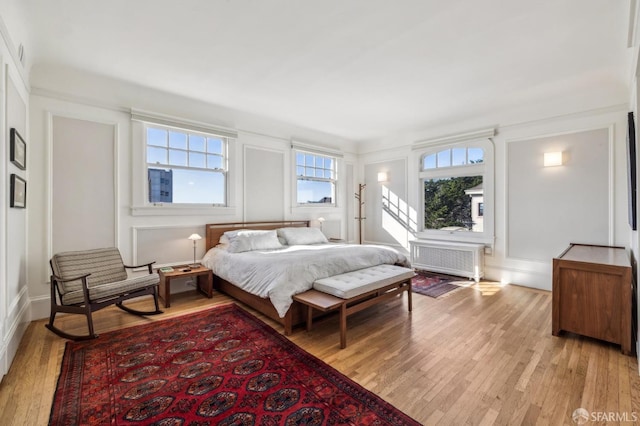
(248, 240)
(301, 236)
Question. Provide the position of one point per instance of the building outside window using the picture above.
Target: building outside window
(160, 186)
(185, 167)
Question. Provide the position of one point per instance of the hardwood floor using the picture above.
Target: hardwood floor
(480, 356)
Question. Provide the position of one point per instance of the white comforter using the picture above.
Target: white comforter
(279, 274)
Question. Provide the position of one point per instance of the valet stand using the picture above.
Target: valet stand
(360, 218)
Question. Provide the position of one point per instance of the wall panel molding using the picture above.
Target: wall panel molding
(259, 165)
(539, 200)
(111, 185)
(166, 244)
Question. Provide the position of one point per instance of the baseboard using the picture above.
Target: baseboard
(531, 278)
(13, 342)
(40, 307)
(14, 335)
(4, 360)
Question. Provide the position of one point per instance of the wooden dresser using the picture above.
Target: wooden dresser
(592, 293)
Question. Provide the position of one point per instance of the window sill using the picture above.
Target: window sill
(306, 208)
(181, 210)
(463, 237)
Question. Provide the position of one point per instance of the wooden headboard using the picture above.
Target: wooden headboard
(215, 230)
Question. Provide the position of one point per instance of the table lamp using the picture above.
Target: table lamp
(194, 237)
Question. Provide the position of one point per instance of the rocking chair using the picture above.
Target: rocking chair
(86, 281)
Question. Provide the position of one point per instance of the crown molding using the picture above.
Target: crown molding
(458, 137)
(13, 52)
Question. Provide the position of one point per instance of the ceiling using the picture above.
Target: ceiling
(359, 69)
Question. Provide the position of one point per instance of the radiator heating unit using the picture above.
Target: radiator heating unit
(447, 257)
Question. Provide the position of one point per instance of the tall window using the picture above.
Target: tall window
(454, 184)
(186, 167)
(316, 179)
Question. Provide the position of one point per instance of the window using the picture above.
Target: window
(315, 179)
(453, 157)
(456, 183)
(185, 167)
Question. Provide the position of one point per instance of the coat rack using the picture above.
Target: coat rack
(360, 218)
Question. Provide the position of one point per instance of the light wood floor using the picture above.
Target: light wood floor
(480, 356)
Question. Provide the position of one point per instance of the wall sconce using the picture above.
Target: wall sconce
(553, 159)
(382, 177)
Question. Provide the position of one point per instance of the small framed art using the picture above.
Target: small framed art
(18, 192)
(631, 171)
(18, 154)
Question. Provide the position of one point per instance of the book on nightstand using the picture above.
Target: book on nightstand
(166, 269)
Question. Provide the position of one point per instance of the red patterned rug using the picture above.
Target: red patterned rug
(435, 285)
(221, 366)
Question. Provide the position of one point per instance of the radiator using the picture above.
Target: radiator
(461, 259)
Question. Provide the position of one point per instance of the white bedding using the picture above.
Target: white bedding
(279, 274)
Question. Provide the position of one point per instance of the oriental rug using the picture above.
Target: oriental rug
(436, 285)
(222, 366)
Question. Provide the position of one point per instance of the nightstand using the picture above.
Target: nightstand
(204, 283)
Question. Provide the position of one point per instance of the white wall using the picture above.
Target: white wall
(264, 178)
(555, 206)
(385, 204)
(82, 184)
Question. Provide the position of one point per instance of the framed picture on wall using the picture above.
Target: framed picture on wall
(631, 171)
(18, 192)
(18, 154)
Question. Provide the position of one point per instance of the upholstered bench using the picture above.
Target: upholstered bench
(354, 291)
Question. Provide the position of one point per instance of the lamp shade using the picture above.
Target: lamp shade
(194, 238)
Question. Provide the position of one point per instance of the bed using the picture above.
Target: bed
(267, 279)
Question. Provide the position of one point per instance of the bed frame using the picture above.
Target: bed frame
(296, 313)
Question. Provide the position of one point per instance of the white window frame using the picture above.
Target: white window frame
(141, 206)
(188, 133)
(333, 181)
(484, 169)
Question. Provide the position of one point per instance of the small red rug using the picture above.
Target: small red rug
(434, 285)
(221, 366)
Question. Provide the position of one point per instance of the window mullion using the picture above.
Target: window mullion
(170, 166)
(316, 179)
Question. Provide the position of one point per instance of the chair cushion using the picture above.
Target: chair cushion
(105, 266)
(355, 283)
(105, 291)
